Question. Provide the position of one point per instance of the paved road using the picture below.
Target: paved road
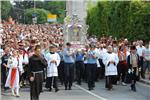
(81, 93)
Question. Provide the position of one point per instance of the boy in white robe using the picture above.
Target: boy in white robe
(53, 60)
(110, 61)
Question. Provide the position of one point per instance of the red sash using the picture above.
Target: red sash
(13, 76)
(125, 53)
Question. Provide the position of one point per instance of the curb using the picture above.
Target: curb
(144, 81)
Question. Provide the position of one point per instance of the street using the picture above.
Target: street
(119, 92)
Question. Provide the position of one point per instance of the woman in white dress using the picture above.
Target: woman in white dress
(13, 75)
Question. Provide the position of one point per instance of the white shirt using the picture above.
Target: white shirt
(146, 54)
(140, 50)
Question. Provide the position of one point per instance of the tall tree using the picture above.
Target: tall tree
(5, 9)
(129, 19)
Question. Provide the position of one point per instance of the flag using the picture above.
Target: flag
(51, 18)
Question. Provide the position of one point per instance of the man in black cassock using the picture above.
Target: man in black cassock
(36, 65)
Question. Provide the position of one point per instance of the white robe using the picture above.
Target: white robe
(97, 55)
(26, 58)
(13, 62)
(110, 69)
(52, 67)
(21, 63)
(23, 60)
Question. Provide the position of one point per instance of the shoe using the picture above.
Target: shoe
(65, 88)
(143, 76)
(90, 89)
(70, 88)
(6, 88)
(110, 87)
(131, 86)
(42, 91)
(118, 82)
(134, 88)
(79, 83)
(17, 95)
(56, 90)
(50, 90)
(124, 84)
(13, 93)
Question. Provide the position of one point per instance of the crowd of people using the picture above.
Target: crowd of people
(37, 53)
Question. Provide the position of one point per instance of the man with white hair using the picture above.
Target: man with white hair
(110, 61)
(140, 49)
(146, 60)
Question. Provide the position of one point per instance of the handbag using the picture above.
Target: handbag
(128, 78)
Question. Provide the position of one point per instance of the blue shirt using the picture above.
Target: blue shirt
(68, 58)
(90, 59)
(61, 55)
(79, 57)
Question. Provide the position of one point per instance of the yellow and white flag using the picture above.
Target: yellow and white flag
(51, 18)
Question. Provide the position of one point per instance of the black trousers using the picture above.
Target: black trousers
(69, 74)
(61, 72)
(36, 86)
(85, 72)
(122, 70)
(52, 81)
(3, 75)
(102, 69)
(25, 75)
(91, 70)
(142, 69)
(109, 81)
(134, 76)
(79, 71)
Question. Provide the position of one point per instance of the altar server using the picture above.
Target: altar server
(53, 60)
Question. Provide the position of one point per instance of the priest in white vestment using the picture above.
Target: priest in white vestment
(110, 61)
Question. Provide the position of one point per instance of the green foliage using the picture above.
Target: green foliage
(40, 13)
(130, 19)
(18, 10)
(56, 7)
(5, 9)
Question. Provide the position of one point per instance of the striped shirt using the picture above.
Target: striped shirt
(146, 54)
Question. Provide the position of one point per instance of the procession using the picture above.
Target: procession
(35, 60)
(55, 57)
